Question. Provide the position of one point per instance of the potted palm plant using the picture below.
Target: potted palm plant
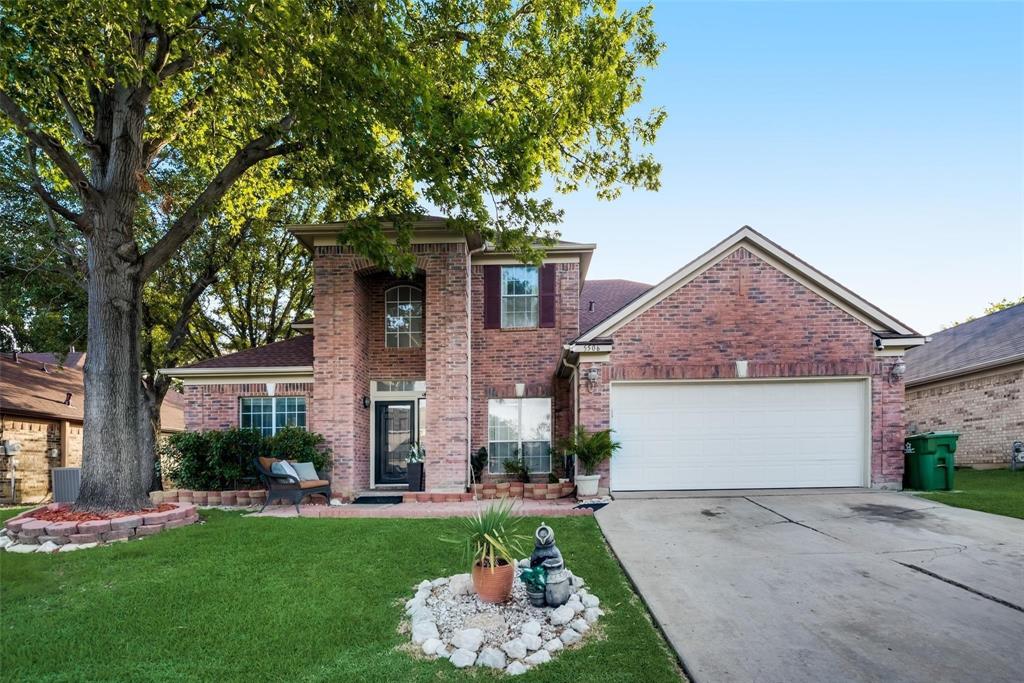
(590, 449)
(492, 544)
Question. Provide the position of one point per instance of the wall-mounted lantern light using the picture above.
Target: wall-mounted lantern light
(896, 371)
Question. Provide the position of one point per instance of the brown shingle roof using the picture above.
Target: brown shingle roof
(996, 339)
(297, 351)
(27, 389)
(600, 298)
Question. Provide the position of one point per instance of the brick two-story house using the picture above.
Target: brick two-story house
(746, 368)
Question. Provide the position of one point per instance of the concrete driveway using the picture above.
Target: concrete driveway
(827, 586)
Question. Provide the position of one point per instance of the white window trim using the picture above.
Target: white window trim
(273, 412)
(390, 333)
(519, 432)
(504, 296)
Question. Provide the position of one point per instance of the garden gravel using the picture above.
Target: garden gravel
(448, 620)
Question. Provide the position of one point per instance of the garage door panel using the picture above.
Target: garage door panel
(739, 435)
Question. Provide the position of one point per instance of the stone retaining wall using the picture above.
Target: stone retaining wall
(25, 529)
(488, 491)
(241, 498)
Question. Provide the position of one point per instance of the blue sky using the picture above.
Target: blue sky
(881, 142)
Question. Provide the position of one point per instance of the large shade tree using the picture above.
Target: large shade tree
(386, 105)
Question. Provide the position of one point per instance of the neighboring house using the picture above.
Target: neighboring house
(41, 412)
(970, 378)
(745, 369)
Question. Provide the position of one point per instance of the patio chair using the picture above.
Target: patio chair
(289, 487)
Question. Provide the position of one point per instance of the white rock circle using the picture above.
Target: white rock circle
(447, 620)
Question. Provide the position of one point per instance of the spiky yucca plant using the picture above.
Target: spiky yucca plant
(491, 535)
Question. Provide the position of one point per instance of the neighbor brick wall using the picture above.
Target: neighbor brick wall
(502, 358)
(744, 309)
(217, 406)
(37, 436)
(986, 408)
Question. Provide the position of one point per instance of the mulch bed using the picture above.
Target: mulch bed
(69, 516)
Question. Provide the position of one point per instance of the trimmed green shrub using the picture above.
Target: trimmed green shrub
(293, 443)
(222, 460)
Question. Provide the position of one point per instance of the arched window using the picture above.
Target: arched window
(403, 317)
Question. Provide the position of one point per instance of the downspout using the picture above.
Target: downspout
(469, 364)
(575, 397)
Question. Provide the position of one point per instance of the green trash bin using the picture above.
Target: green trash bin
(930, 460)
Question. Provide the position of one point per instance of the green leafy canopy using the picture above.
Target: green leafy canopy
(387, 106)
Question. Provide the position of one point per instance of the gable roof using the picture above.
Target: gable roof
(600, 298)
(290, 353)
(36, 389)
(993, 340)
(780, 258)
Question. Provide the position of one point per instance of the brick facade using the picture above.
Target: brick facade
(349, 352)
(986, 408)
(502, 358)
(217, 406)
(743, 308)
(38, 437)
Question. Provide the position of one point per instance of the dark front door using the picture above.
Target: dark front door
(395, 425)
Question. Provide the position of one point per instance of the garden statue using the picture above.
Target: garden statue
(547, 555)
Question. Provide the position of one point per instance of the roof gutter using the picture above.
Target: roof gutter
(237, 371)
(968, 370)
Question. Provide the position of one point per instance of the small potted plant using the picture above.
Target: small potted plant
(536, 580)
(491, 545)
(414, 466)
(590, 449)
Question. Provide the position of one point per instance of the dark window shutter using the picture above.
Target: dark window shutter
(492, 297)
(547, 295)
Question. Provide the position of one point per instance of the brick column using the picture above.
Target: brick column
(887, 428)
(334, 360)
(594, 406)
(447, 364)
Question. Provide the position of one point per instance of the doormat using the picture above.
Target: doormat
(377, 500)
(589, 506)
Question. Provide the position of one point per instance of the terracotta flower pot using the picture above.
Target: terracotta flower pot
(494, 586)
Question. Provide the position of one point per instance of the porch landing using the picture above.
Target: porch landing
(535, 508)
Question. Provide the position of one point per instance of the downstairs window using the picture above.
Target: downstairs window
(519, 429)
(271, 413)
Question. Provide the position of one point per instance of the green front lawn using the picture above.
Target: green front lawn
(240, 599)
(1000, 492)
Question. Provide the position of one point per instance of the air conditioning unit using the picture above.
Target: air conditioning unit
(66, 482)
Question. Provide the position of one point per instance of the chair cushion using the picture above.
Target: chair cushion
(284, 467)
(306, 471)
(316, 483)
(267, 463)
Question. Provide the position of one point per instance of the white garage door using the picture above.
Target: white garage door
(739, 435)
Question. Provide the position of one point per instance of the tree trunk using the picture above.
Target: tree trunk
(111, 476)
(151, 399)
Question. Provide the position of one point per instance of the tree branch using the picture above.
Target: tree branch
(52, 205)
(256, 151)
(53, 149)
(206, 278)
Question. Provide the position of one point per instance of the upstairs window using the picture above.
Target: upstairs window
(519, 297)
(403, 317)
(520, 293)
(271, 413)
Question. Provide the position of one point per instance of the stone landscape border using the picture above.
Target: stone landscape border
(493, 490)
(26, 530)
(236, 498)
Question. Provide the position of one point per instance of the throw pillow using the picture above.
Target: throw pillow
(284, 467)
(306, 471)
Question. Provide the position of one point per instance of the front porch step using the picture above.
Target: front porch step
(377, 499)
